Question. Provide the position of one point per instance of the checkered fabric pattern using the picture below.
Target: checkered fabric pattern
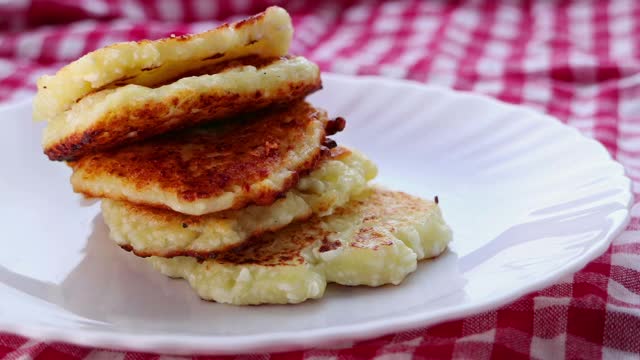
(576, 60)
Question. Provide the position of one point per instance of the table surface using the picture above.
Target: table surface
(576, 60)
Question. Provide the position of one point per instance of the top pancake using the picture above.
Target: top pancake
(149, 63)
(202, 170)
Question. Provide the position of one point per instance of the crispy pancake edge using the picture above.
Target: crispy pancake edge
(135, 122)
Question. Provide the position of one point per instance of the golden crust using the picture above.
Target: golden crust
(376, 218)
(227, 165)
(132, 113)
(340, 175)
(149, 63)
(160, 215)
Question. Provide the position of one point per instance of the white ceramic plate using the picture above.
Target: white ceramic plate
(529, 200)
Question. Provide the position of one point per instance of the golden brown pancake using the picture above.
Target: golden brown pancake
(126, 114)
(340, 175)
(149, 63)
(375, 240)
(228, 165)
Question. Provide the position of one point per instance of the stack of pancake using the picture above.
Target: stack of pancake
(211, 164)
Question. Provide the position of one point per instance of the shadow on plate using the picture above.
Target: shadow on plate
(113, 289)
(540, 237)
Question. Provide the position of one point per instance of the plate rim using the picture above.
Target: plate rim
(291, 340)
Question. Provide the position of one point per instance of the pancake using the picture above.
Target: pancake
(229, 165)
(147, 231)
(130, 113)
(149, 63)
(373, 241)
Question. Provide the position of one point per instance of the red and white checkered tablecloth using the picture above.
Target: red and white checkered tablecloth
(577, 60)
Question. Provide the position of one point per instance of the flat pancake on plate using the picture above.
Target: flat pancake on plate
(340, 175)
(372, 241)
(130, 113)
(226, 165)
(149, 63)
